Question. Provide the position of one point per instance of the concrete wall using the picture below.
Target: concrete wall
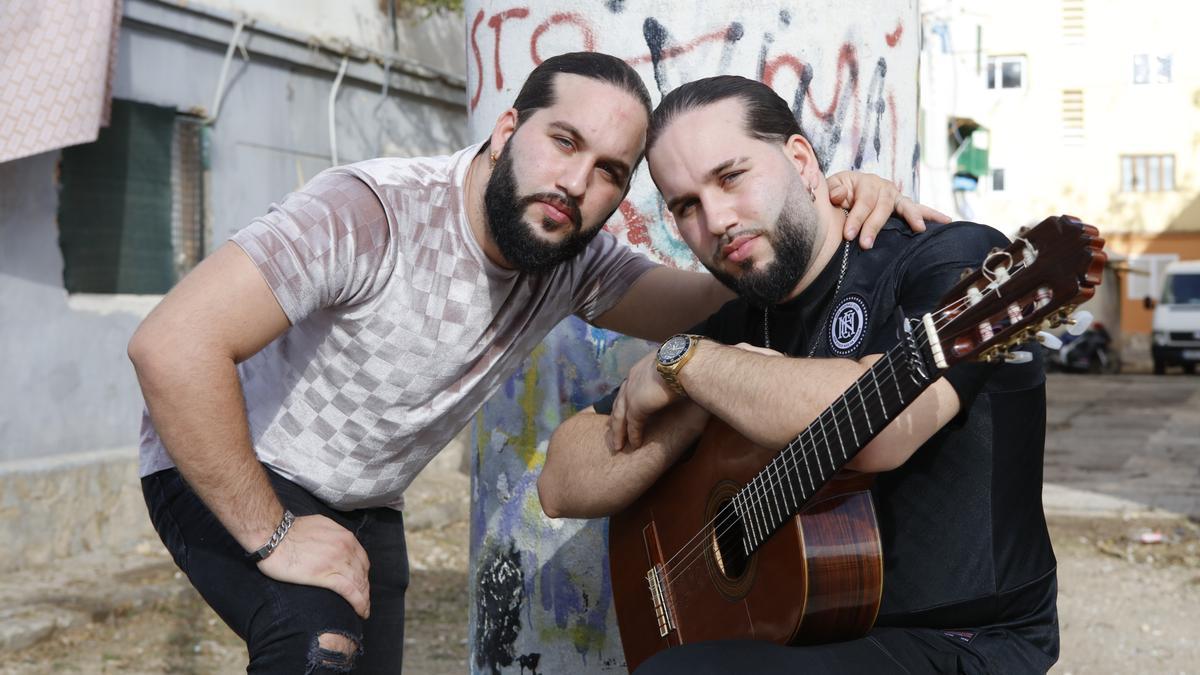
(271, 132)
(541, 600)
(69, 389)
(67, 505)
(435, 40)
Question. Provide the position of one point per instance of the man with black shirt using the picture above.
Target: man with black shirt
(969, 573)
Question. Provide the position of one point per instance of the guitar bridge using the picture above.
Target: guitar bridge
(658, 596)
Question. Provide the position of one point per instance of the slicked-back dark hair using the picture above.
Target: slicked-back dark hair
(538, 90)
(767, 116)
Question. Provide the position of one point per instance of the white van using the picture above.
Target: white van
(1177, 318)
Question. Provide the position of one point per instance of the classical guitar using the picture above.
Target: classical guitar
(739, 541)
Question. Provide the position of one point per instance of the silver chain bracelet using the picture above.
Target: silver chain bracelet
(276, 538)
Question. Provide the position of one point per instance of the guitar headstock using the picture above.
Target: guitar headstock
(1037, 281)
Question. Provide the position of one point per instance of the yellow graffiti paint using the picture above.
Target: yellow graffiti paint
(532, 509)
(530, 399)
(583, 637)
(587, 638)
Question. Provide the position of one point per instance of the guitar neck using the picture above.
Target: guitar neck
(790, 480)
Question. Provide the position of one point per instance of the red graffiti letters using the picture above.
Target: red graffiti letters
(571, 18)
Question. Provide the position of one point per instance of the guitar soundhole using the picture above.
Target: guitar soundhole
(731, 571)
(727, 545)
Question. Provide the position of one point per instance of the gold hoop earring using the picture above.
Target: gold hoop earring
(492, 157)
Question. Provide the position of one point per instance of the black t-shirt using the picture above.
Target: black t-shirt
(964, 536)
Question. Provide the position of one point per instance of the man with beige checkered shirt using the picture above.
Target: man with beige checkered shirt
(299, 378)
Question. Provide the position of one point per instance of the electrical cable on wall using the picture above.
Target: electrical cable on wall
(220, 93)
(337, 83)
(386, 88)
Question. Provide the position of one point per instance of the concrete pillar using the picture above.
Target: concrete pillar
(540, 598)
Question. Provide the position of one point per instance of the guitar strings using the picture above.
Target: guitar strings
(693, 549)
(758, 497)
(758, 494)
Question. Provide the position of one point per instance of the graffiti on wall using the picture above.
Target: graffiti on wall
(541, 602)
(852, 100)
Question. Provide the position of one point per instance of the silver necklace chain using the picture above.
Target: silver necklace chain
(838, 287)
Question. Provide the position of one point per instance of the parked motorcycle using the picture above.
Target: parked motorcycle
(1089, 352)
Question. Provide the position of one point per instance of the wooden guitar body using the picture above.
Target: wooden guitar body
(817, 579)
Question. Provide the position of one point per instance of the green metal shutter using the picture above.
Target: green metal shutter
(114, 212)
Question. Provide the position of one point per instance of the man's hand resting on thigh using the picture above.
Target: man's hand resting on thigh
(318, 552)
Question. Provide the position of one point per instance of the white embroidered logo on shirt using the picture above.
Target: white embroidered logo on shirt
(847, 325)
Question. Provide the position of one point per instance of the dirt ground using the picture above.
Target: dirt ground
(1125, 607)
(183, 635)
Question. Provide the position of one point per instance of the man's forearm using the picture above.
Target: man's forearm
(196, 404)
(582, 478)
(768, 399)
(772, 399)
(665, 301)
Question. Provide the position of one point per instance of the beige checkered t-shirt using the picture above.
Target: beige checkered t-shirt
(401, 327)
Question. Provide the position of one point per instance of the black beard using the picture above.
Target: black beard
(792, 242)
(523, 249)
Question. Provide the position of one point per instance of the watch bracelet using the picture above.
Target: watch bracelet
(673, 382)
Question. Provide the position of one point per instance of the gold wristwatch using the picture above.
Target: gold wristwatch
(673, 353)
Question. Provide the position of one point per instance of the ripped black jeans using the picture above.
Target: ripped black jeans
(281, 622)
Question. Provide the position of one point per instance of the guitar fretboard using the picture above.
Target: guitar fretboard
(782, 488)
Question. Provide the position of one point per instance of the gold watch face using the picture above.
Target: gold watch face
(673, 349)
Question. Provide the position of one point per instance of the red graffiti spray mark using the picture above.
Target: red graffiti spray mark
(636, 224)
(494, 23)
(846, 59)
(845, 120)
(589, 38)
(671, 52)
(478, 60)
(894, 36)
(771, 67)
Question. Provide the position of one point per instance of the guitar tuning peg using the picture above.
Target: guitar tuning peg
(1018, 357)
(1049, 340)
(1079, 322)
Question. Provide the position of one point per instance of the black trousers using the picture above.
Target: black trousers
(909, 651)
(1028, 644)
(281, 622)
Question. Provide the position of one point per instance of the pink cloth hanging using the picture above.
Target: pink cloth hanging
(57, 62)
